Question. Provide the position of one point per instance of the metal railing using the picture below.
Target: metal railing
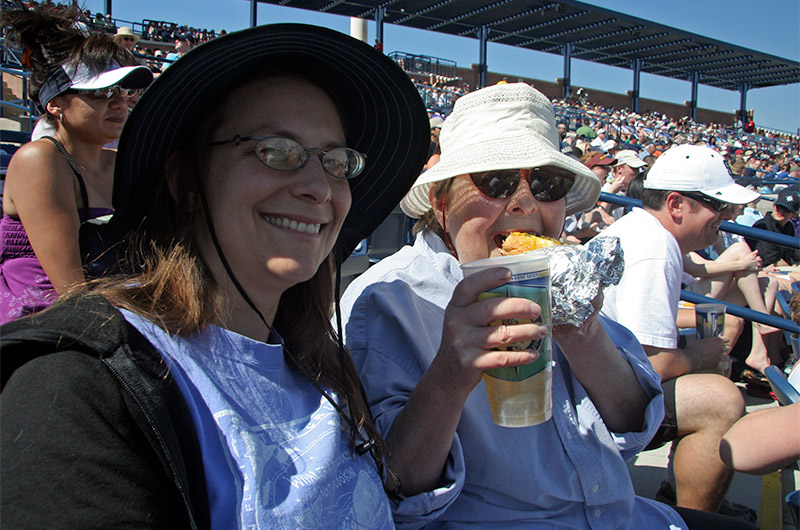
(425, 64)
(25, 105)
(438, 100)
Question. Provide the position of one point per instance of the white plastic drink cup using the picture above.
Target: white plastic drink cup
(726, 366)
(709, 320)
(521, 396)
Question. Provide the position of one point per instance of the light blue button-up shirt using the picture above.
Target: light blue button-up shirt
(569, 472)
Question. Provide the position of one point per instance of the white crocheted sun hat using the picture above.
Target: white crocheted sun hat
(505, 126)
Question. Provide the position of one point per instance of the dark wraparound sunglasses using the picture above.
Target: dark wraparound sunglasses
(715, 204)
(284, 154)
(107, 92)
(547, 184)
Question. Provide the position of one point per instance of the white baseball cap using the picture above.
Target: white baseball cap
(696, 168)
(81, 76)
(628, 157)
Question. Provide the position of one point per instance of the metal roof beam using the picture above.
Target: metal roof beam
(331, 5)
(545, 24)
(596, 37)
(522, 14)
(625, 57)
(552, 35)
(629, 41)
(638, 51)
(732, 62)
(370, 13)
(684, 52)
(427, 10)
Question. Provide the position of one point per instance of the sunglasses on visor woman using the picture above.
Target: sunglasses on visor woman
(284, 154)
(547, 184)
(107, 92)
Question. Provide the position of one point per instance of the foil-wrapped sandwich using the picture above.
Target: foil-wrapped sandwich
(577, 272)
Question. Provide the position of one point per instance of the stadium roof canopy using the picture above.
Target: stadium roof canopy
(591, 33)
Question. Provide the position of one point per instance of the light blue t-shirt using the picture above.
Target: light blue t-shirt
(275, 452)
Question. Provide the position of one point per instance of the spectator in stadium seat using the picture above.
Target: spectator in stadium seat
(784, 209)
(420, 340)
(628, 165)
(562, 131)
(586, 130)
(684, 199)
(56, 183)
(599, 140)
(436, 122)
(183, 43)
(208, 389)
(126, 38)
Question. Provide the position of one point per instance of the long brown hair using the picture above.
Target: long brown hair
(175, 288)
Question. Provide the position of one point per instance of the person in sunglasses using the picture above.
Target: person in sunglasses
(685, 197)
(63, 177)
(420, 341)
(205, 387)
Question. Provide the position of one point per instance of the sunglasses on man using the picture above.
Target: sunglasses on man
(715, 204)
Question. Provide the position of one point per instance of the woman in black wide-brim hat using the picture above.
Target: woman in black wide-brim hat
(207, 387)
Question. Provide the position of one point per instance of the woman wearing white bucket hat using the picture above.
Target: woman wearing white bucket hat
(421, 342)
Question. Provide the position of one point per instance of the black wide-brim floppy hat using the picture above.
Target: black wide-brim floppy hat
(386, 118)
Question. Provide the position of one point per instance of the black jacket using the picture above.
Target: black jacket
(94, 433)
(772, 252)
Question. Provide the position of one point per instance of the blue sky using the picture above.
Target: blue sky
(770, 26)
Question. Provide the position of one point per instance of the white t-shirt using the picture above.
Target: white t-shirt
(646, 299)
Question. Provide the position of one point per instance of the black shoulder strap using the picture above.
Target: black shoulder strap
(78, 175)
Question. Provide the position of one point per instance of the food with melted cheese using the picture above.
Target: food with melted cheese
(521, 242)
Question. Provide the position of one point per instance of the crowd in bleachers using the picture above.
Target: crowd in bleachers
(161, 31)
(761, 153)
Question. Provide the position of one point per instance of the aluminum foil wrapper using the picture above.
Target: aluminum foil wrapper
(578, 273)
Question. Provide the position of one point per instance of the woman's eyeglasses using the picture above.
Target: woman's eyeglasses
(547, 184)
(285, 154)
(107, 92)
(715, 204)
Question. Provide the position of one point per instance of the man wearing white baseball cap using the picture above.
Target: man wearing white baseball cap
(685, 198)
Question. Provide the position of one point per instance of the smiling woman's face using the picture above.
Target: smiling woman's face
(274, 227)
(478, 223)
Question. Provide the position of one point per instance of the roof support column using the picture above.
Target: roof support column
(253, 13)
(637, 74)
(380, 11)
(483, 37)
(743, 102)
(693, 101)
(567, 51)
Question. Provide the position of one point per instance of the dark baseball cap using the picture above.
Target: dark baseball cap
(789, 199)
